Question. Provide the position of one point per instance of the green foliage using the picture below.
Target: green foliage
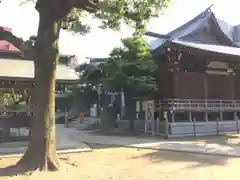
(14, 101)
(84, 98)
(110, 13)
(131, 66)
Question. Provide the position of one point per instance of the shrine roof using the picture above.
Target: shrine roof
(226, 33)
(218, 52)
(209, 48)
(12, 69)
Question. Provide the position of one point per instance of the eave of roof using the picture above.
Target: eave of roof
(21, 70)
(219, 53)
(223, 34)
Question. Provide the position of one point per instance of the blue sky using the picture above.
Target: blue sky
(24, 21)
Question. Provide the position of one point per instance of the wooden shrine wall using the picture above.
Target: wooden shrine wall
(165, 82)
(189, 85)
(220, 87)
(193, 85)
(237, 86)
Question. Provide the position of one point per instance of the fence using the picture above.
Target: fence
(200, 105)
(163, 127)
(184, 129)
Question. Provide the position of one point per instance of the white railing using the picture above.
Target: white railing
(183, 104)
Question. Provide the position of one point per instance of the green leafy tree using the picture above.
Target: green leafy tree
(55, 15)
(131, 66)
(131, 69)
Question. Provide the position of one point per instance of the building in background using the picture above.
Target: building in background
(6, 46)
(199, 76)
(96, 61)
(69, 60)
(7, 50)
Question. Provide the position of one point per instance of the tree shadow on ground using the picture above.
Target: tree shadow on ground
(231, 139)
(195, 160)
(160, 156)
(14, 170)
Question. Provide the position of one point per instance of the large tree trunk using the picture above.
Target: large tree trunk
(41, 153)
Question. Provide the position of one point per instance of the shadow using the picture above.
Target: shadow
(9, 167)
(194, 160)
(96, 146)
(116, 133)
(14, 170)
(230, 139)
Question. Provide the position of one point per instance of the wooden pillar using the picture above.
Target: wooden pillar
(175, 85)
(232, 87)
(206, 86)
(174, 58)
(232, 72)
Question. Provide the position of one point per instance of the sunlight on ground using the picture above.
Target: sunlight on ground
(135, 164)
(227, 139)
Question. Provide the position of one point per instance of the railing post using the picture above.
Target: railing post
(194, 125)
(217, 126)
(206, 116)
(173, 116)
(158, 125)
(153, 121)
(146, 118)
(221, 116)
(66, 118)
(165, 115)
(190, 116)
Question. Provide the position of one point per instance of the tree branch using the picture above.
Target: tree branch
(87, 5)
(14, 40)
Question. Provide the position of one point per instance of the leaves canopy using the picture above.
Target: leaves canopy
(111, 13)
(131, 66)
(70, 13)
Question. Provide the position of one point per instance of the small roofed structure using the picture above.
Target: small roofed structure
(199, 66)
(6, 46)
(17, 75)
(16, 70)
(23, 70)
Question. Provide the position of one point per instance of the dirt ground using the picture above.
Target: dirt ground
(117, 163)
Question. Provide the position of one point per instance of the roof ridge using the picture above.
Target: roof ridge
(201, 15)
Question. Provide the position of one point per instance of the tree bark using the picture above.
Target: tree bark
(41, 152)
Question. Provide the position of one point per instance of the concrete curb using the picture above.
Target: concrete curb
(187, 150)
(60, 151)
